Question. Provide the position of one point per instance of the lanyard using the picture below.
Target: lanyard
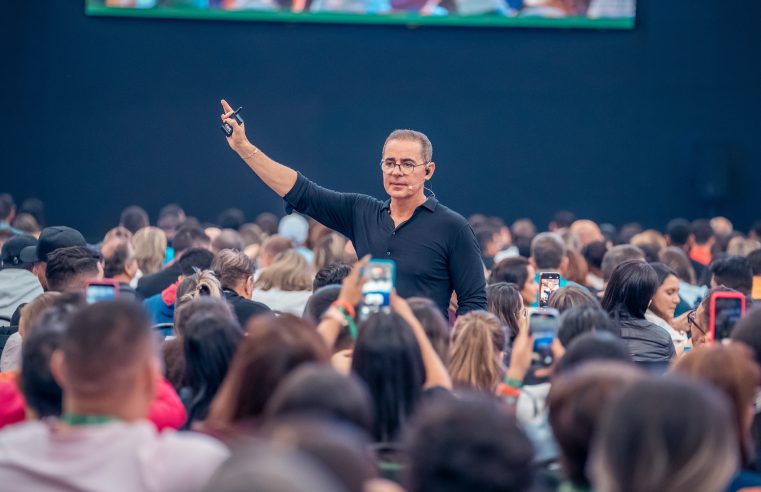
(75, 420)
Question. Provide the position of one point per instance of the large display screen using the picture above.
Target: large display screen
(603, 14)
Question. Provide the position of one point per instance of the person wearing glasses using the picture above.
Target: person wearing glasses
(434, 248)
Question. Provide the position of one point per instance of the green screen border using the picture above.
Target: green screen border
(408, 19)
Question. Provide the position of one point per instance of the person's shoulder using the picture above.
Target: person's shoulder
(21, 434)
(192, 445)
(449, 216)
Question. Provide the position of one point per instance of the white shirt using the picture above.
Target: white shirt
(116, 457)
(678, 337)
(284, 301)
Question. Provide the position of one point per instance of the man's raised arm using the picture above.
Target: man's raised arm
(275, 175)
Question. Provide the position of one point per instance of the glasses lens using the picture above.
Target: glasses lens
(408, 167)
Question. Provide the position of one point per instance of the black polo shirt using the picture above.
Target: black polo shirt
(435, 251)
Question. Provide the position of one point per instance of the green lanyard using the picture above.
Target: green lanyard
(75, 420)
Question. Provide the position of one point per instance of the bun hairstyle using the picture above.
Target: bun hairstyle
(202, 283)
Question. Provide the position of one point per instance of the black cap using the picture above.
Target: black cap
(51, 239)
(11, 253)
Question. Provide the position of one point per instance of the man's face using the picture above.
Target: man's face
(396, 183)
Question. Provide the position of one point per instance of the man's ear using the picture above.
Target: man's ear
(430, 168)
(58, 368)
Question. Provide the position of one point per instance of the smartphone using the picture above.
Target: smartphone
(549, 282)
(726, 309)
(543, 326)
(380, 279)
(101, 290)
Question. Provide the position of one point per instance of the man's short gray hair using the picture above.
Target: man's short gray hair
(548, 250)
(415, 136)
(617, 255)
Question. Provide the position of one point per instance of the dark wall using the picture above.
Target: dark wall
(646, 124)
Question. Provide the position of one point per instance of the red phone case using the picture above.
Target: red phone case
(712, 309)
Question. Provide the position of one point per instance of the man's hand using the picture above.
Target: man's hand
(237, 141)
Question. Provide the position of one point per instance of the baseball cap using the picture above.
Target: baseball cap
(51, 239)
(11, 252)
(294, 227)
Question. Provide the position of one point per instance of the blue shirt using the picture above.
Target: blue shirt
(435, 250)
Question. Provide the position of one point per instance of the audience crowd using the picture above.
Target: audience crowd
(232, 359)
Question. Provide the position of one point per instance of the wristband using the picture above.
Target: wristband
(514, 383)
(508, 391)
(336, 315)
(349, 322)
(347, 307)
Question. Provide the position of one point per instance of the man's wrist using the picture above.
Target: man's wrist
(248, 150)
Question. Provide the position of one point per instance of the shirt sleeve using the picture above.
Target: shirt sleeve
(330, 208)
(467, 272)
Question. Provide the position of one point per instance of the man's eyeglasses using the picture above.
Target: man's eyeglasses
(691, 321)
(406, 166)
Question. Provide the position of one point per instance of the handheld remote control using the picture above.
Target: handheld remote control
(229, 129)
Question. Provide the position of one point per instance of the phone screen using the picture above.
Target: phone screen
(100, 292)
(376, 292)
(548, 283)
(728, 311)
(543, 326)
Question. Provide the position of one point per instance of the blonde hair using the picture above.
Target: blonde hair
(329, 250)
(232, 267)
(289, 271)
(31, 312)
(474, 360)
(150, 249)
(740, 246)
(650, 236)
(118, 232)
(201, 283)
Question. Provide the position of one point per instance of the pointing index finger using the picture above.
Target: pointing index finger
(226, 107)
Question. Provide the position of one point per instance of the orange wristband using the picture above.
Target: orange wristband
(348, 307)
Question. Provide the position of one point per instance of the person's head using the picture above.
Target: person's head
(631, 289)
(387, 358)
(601, 344)
(227, 239)
(35, 208)
(7, 208)
(202, 283)
(406, 163)
(587, 231)
(268, 222)
(70, 268)
(594, 253)
(107, 363)
(27, 223)
(272, 349)
(699, 321)
(195, 259)
(232, 218)
(134, 218)
(150, 249)
(617, 255)
(569, 296)
(489, 240)
(468, 444)
(187, 237)
(584, 318)
(319, 302)
(754, 258)
(119, 260)
(505, 302)
(628, 231)
(519, 271)
(649, 239)
(665, 434)
(678, 233)
(731, 370)
(294, 227)
(748, 331)
(33, 311)
(676, 259)
(235, 271)
(548, 252)
(734, 272)
(332, 274)
(576, 269)
(319, 390)
(171, 218)
(11, 252)
(741, 246)
(435, 326)
(329, 250)
(478, 344)
(666, 297)
(524, 228)
(576, 402)
(209, 343)
(212, 306)
(289, 271)
(51, 239)
(721, 226)
(272, 247)
(702, 232)
(563, 219)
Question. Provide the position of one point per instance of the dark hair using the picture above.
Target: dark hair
(188, 236)
(748, 331)
(195, 258)
(734, 272)
(268, 222)
(228, 239)
(576, 403)
(320, 301)
(523, 244)
(617, 255)
(331, 274)
(67, 267)
(468, 444)
(594, 252)
(7, 205)
(563, 218)
(548, 250)
(511, 270)
(134, 218)
(505, 302)
(675, 429)
(591, 346)
(35, 208)
(678, 231)
(209, 343)
(630, 289)
(702, 230)
(628, 231)
(581, 319)
(40, 389)
(319, 390)
(435, 326)
(484, 235)
(232, 218)
(116, 262)
(662, 271)
(569, 296)
(754, 258)
(387, 358)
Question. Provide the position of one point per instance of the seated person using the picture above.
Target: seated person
(235, 272)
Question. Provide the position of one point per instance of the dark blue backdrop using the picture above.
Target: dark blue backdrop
(640, 125)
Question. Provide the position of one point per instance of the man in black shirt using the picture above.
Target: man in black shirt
(434, 248)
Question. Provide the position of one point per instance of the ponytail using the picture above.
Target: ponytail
(474, 359)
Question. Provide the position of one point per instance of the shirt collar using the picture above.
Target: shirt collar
(430, 204)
